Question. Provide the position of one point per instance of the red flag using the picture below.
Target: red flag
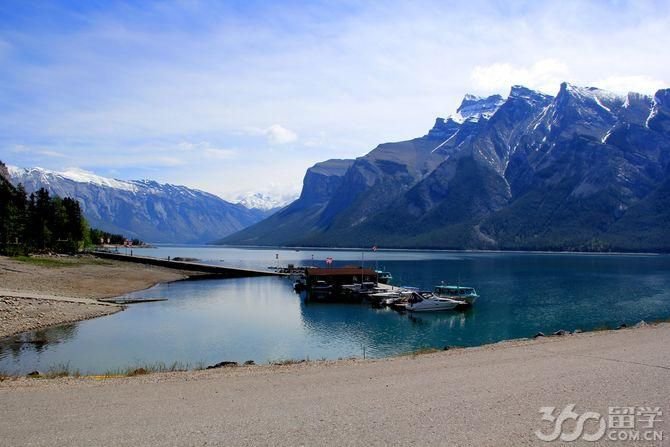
(329, 261)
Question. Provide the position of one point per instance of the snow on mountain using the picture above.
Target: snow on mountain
(152, 211)
(265, 201)
(75, 174)
(582, 170)
(473, 108)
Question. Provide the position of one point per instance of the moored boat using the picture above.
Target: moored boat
(467, 295)
(427, 302)
(384, 277)
(321, 287)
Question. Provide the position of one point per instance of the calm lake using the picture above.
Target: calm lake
(262, 319)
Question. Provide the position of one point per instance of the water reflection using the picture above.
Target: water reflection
(36, 341)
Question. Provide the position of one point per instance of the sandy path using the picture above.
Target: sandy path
(35, 297)
(488, 396)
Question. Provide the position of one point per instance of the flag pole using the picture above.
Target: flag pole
(362, 266)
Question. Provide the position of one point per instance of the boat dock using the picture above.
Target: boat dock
(208, 270)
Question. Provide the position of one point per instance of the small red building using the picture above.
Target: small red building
(340, 276)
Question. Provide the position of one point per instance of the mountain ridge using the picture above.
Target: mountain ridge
(532, 171)
(144, 209)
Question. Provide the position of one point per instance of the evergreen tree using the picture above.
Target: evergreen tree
(40, 222)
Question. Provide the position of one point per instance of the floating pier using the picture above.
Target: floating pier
(208, 270)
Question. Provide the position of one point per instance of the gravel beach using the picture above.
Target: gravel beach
(49, 291)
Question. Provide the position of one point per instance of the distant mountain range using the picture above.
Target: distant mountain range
(264, 201)
(144, 209)
(584, 170)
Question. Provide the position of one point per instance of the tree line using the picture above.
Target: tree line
(39, 222)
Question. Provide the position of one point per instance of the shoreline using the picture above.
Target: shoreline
(186, 371)
(35, 297)
(93, 311)
(486, 395)
(433, 250)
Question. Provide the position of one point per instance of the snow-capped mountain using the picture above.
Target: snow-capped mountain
(475, 107)
(151, 211)
(265, 201)
(584, 170)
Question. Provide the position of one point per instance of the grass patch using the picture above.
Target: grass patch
(200, 366)
(46, 262)
(422, 351)
(60, 370)
(140, 370)
(284, 362)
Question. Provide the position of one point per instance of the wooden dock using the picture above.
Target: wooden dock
(208, 270)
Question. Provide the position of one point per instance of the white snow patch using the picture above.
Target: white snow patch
(82, 176)
(652, 113)
(265, 201)
(609, 132)
(444, 142)
(597, 100)
(457, 118)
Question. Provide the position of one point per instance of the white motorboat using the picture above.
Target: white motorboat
(383, 277)
(321, 287)
(458, 293)
(427, 302)
(386, 294)
(400, 299)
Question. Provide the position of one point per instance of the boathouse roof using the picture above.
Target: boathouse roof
(343, 271)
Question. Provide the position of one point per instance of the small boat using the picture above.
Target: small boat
(384, 277)
(427, 302)
(299, 285)
(402, 298)
(458, 293)
(321, 287)
(366, 288)
(386, 294)
(379, 297)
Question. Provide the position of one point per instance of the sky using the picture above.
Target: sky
(234, 97)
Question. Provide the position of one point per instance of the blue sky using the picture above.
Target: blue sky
(233, 97)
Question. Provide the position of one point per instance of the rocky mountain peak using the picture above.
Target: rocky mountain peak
(578, 171)
(533, 96)
(659, 117)
(603, 98)
(443, 129)
(473, 107)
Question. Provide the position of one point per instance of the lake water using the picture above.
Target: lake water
(262, 319)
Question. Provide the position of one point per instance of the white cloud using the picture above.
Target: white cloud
(277, 134)
(544, 75)
(633, 83)
(49, 153)
(23, 149)
(219, 154)
(329, 84)
(207, 150)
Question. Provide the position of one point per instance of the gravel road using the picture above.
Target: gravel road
(473, 397)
